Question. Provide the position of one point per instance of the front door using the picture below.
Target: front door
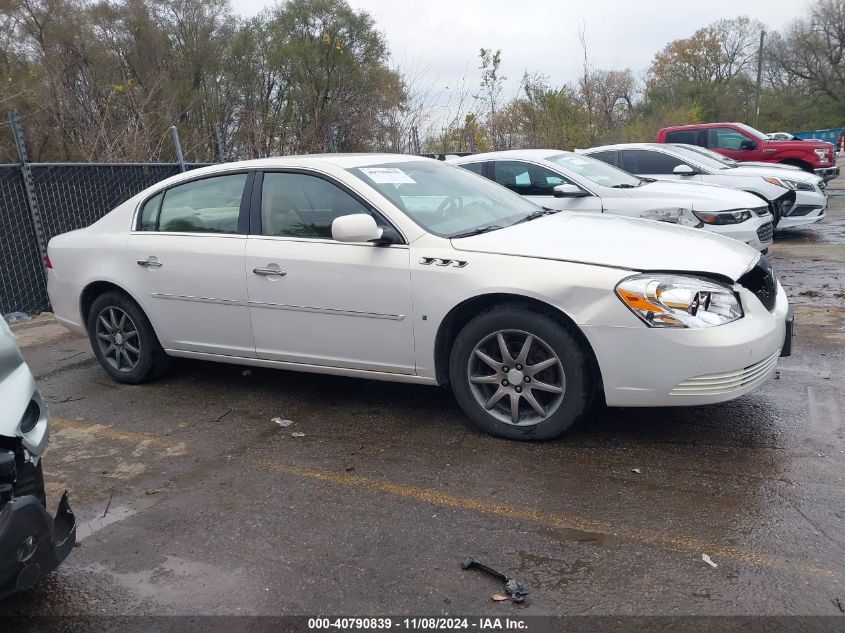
(537, 184)
(187, 262)
(316, 301)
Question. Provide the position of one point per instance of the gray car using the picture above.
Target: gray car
(32, 543)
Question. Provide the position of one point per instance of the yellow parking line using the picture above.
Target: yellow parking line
(111, 433)
(434, 497)
(549, 519)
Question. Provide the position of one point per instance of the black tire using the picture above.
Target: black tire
(151, 358)
(577, 380)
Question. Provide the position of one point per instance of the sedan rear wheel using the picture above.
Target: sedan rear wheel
(117, 336)
(520, 374)
(123, 339)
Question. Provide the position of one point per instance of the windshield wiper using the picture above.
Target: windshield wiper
(623, 185)
(537, 214)
(476, 231)
(645, 181)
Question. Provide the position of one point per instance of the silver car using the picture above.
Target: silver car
(32, 543)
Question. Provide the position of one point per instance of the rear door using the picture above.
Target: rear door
(186, 254)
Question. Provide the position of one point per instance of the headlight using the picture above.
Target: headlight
(724, 217)
(794, 185)
(681, 216)
(665, 300)
(822, 154)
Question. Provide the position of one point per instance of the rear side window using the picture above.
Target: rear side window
(639, 161)
(149, 213)
(689, 137)
(608, 157)
(474, 167)
(527, 179)
(210, 205)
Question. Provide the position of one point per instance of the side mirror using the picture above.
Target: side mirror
(748, 145)
(683, 170)
(569, 191)
(359, 227)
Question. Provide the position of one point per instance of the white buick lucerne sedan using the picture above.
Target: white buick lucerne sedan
(404, 268)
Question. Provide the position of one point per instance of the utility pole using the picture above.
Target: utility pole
(759, 80)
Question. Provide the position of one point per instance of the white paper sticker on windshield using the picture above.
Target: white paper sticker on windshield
(388, 175)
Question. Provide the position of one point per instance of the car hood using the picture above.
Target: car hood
(752, 163)
(627, 243)
(767, 171)
(697, 196)
(802, 144)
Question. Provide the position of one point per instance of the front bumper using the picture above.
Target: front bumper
(22, 519)
(644, 367)
(828, 173)
(808, 208)
(756, 232)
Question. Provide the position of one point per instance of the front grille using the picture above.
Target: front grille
(765, 232)
(761, 211)
(822, 186)
(727, 382)
(762, 282)
(801, 209)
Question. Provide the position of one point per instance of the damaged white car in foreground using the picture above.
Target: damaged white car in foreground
(403, 268)
(32, 543)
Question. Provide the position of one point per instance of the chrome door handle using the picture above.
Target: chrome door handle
(269, 272)
(149, 263)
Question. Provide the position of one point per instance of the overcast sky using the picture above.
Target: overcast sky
(440, 39)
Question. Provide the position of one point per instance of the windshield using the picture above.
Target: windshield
(750, 130)
(703, 161)
(445, 200)
(595, 170)
(703, 151)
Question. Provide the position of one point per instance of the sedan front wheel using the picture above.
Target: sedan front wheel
(520, 374)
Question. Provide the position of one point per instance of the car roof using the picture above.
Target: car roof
(618, 146)
(344, 161)
(698, 126)
(533, 154)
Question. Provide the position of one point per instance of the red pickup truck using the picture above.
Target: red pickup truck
(744, 143)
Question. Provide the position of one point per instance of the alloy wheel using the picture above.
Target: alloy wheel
(117, 337)
(516, 377)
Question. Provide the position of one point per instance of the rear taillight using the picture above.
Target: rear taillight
(47, 262)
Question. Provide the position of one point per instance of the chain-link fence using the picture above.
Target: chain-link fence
(68, 196)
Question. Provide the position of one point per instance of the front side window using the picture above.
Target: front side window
(726, 138)
(300, 205)
(640, 161)
(445, 200)
(209, 205)
(526, 179)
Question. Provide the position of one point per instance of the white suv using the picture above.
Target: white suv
(572, 182)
